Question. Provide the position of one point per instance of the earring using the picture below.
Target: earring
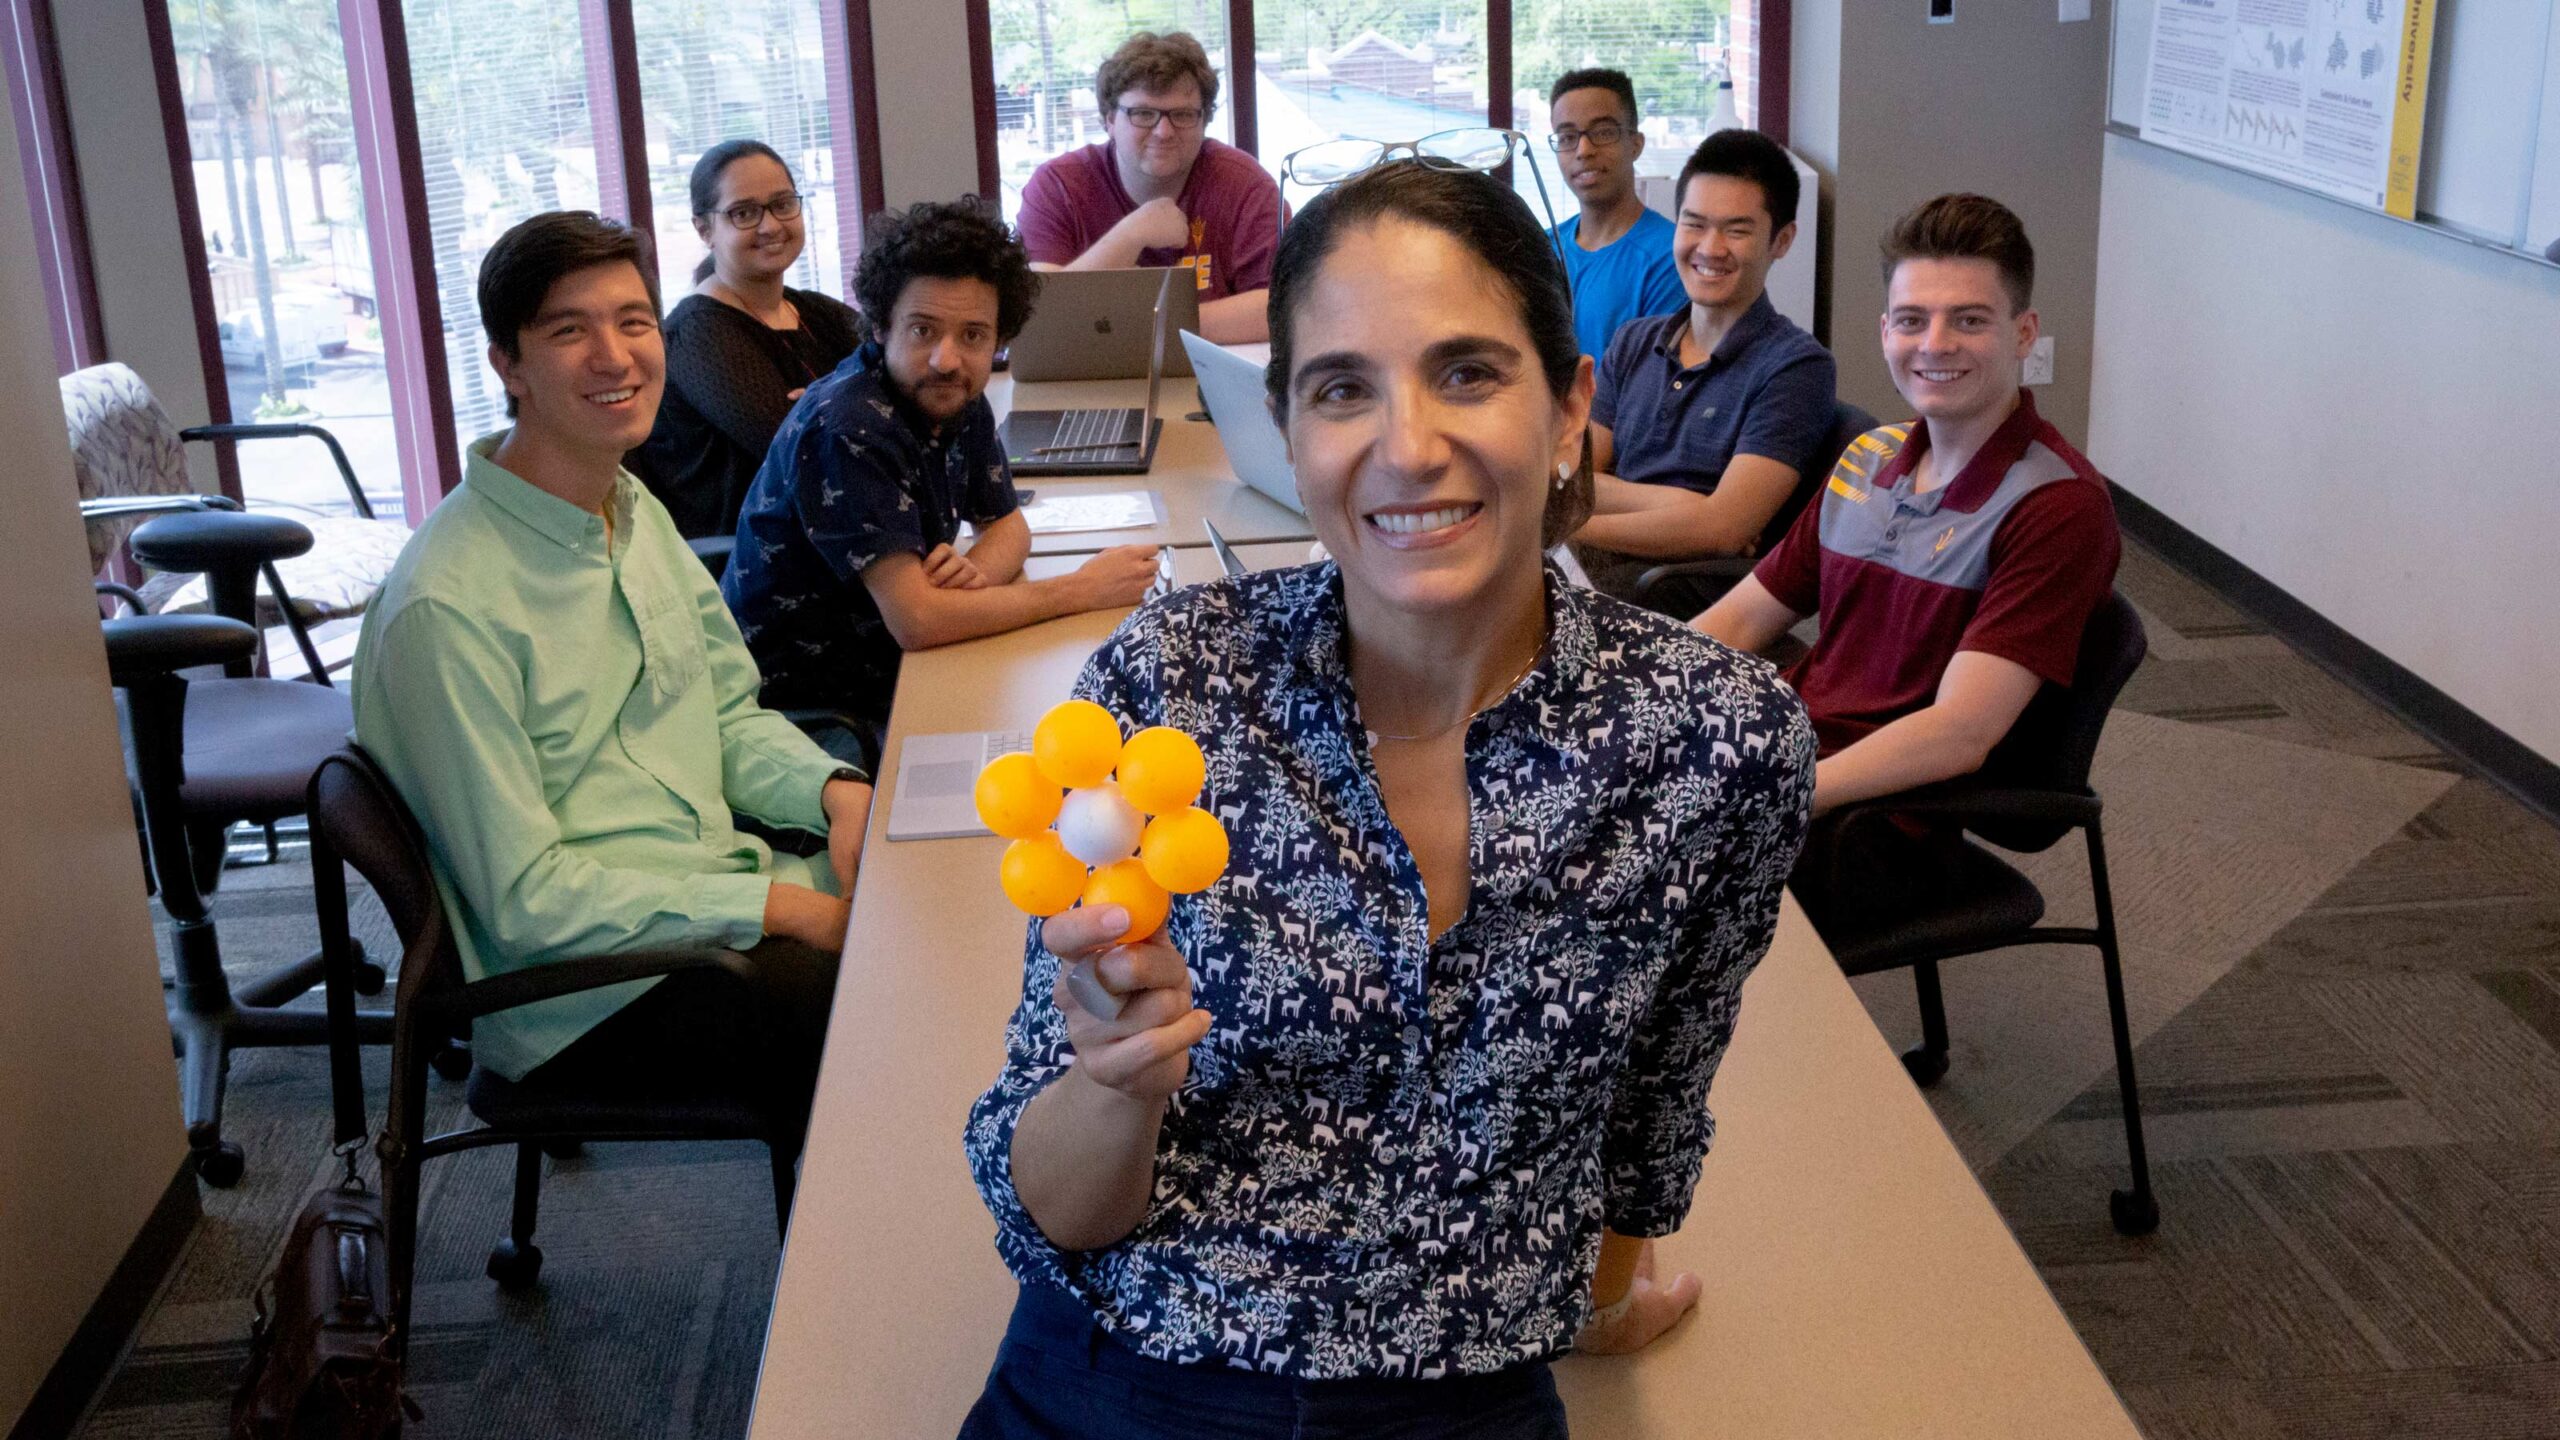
(1564, 476)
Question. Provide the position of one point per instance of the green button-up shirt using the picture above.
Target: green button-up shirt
(573, 725)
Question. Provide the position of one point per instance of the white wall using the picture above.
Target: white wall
(928, 126)
(123, 152)
(2353, 408)
(89, 1132)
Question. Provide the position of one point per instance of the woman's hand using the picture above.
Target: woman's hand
(1145, 1052)
(1649, 1310)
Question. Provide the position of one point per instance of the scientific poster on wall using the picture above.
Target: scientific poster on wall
(2330, 95)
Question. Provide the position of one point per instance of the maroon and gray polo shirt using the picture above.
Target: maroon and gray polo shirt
(2008, 559)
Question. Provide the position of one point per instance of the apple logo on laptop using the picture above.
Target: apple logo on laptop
(1102, 326)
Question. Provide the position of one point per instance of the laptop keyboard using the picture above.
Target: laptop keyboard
(1098, 429)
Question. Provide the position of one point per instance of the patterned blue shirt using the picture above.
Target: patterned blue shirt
(855, 473)
(1394, 1155)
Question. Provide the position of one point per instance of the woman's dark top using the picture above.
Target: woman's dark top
(729, 383)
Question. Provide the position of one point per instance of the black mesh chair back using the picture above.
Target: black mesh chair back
(2055, 740)
(1848, 422)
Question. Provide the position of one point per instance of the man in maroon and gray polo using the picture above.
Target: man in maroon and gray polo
(1954, 559)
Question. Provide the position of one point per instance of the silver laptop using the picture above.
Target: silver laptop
(937, 793)
(1092, 324)
(1102, 441)
(1231, 391)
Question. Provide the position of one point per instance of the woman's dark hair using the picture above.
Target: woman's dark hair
(1495, 225)
(706, 183)
(519, 271)
(960, 240)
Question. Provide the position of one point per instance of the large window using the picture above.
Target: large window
(1678, 53)
(281, 203)
(739, 69)
(504, 133)
(1046, 52)
(1365, 69)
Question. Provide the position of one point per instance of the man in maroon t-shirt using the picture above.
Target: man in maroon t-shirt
(1954, 559)
(1159, 191)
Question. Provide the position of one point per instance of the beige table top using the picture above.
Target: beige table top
(1191, 474)
(1858, 1281)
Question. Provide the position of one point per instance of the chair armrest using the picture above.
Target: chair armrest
(142, 647)
(118, 507)
(714, 551)
(1964, 803)
(1713, 567)
(288, 431)
(569, 977)
(125, 593)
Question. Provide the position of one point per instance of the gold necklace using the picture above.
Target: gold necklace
(1499, 691)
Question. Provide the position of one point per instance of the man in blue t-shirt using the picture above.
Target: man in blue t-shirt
(1709, 422)
(1617, 251)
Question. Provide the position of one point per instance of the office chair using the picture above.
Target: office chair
(2032, 791)
(358, 819)
(1682, 588)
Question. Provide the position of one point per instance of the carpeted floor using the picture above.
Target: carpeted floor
(2343, 955)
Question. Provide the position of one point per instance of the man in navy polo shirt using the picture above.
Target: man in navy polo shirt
(1616, 252)
(1707, 419)
(1954, 559)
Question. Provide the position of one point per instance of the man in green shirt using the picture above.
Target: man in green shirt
(552, 682)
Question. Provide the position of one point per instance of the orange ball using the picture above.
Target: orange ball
(1161, 770)
(1127, 886)
(1040, 877)
(1076, 744)
(1015, 799)
(1185, 851)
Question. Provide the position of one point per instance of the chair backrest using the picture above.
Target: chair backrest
(358, 815)
(2055, 739)
(122, 443)
(1848, 422)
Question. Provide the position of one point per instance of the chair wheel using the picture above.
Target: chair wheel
(564, 1149)
(514, 1267)
(1927, 1066)
(370, 978)
(221, 1166)
(453, 1062)
(2134, 1214)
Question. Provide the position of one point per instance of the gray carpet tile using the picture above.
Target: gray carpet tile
(2346, 982)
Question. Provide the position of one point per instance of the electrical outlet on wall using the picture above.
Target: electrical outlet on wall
(2039, 366)
(1942, 12)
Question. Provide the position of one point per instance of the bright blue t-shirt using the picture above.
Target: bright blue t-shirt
(1628, 279)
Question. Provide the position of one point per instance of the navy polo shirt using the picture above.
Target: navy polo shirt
(1767, 390)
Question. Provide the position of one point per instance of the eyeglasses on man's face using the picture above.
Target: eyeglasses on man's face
(748, 214)
(1605, 135)
(1148, 117)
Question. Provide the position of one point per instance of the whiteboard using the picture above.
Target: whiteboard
(2490, 169)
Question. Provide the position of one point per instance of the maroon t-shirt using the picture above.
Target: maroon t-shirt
(2008, 559)
(1232, 202)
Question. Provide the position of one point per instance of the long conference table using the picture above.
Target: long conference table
(1857, 1280)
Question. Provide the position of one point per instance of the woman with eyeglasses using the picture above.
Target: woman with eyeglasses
(1383, 1118)
(742, 346)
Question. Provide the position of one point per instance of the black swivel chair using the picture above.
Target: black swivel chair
(214, 748)
(1689, 586)
(358, 819)
(2033, 791)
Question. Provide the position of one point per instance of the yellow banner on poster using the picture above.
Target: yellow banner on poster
(2409, 108)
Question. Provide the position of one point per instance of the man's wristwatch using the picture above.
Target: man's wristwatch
(845, 772)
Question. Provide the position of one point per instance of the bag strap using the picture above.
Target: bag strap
(337, 945)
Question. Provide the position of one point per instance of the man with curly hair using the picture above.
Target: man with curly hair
(849, 547)
(1157, 190)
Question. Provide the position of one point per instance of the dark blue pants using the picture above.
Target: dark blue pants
(1060, 1376)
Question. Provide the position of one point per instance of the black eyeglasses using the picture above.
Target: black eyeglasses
(1148, 117)
(748, 214)
(1604, 135)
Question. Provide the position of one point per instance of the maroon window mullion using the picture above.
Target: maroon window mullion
(383, 111)
(1772, 36)
(34, 60)
(613, 111)
(982, 93)
(182, 182)
(1497, 66)
(853, 134)
(1241, 78)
